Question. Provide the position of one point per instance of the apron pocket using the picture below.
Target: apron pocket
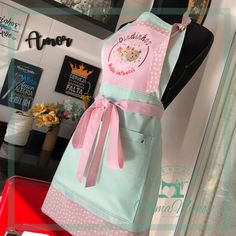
(122, 188)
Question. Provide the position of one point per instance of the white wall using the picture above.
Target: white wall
(84, 47)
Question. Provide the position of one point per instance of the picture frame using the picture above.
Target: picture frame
(77, 78)
(20, 85)
(198, 10)
(12, 24)
(98, 10)
(91, 22)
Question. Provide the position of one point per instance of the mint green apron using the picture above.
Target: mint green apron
(137, 62)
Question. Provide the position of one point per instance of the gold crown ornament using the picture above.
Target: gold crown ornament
(81, 71)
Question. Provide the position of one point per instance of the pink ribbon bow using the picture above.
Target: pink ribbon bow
(103, 113)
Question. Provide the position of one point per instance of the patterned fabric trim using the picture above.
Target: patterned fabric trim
(152, 26)
(156, 68)
(77, 220)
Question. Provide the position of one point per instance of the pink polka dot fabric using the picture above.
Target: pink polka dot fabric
(152, 26)
(78, 220)
(156, 67)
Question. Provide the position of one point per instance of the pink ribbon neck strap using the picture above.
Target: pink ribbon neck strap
(186, 20)
(103, 115)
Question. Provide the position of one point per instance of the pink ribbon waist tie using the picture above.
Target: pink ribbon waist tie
(104, 112)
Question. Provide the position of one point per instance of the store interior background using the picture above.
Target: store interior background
(183, 122)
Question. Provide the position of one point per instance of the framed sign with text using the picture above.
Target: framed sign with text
(20, 85)
(77, 78)
(12, 23)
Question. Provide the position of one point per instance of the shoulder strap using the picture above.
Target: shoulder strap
(179, 27)
(175, 44)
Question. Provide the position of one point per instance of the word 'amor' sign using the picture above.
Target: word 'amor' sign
(36, 39)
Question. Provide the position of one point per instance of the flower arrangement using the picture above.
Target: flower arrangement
(74, 111)
(50, 115)
(47, 114)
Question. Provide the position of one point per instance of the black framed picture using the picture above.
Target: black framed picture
(198, 10)
(96, 17)
(174, 9)
(77, 78)
(100, 10)
(20, 85)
